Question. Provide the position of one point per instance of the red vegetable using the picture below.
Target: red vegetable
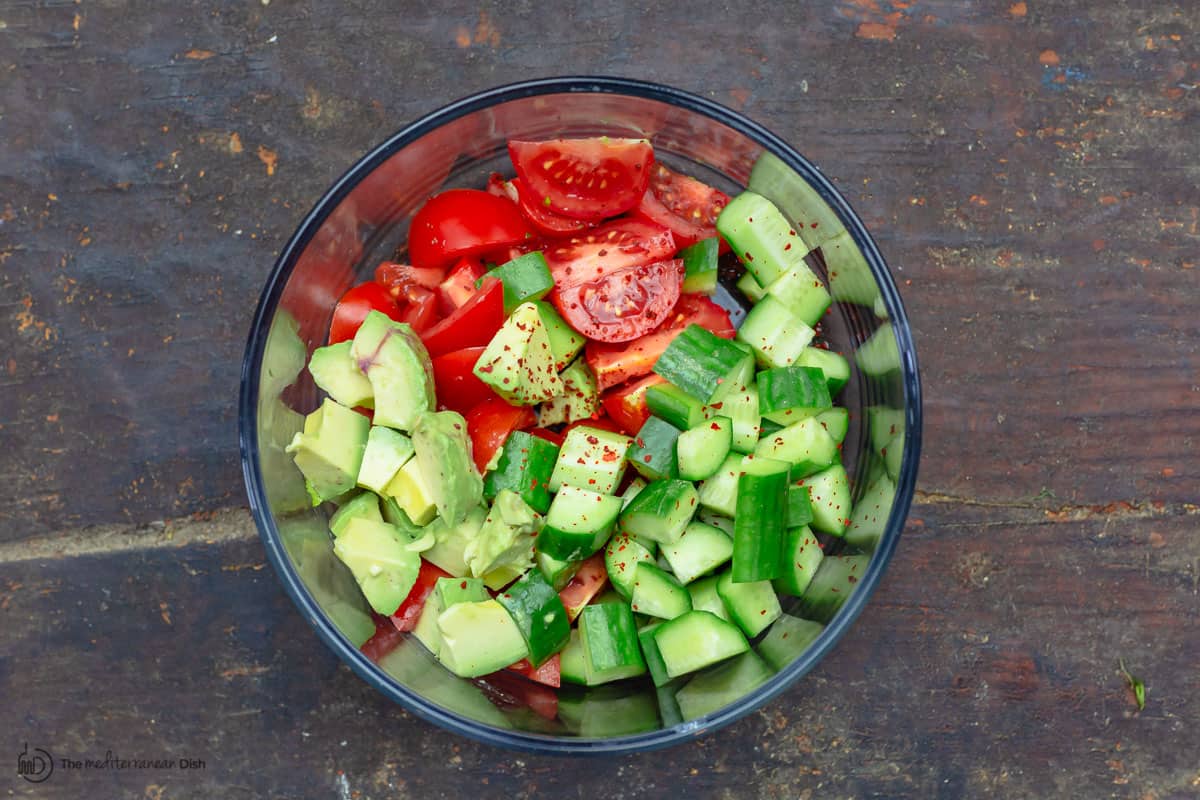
(587, 583)
(406, 616)
(472, 324)
(617, 363)
(626, 404)
(548, 673)
(490, 423)
(455, 383)
(459, 285)
(587, 179)
(682, 204)
(462, 222)
(354, 306)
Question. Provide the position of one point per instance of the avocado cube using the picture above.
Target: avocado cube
(383, 567)
(398, 367)
(387, 451)
(329, 450)
(336, 373)
(518, 363)
(580, 397)
(478, 638)
(443, 450)
(564, 341)
(459, 590)
(363, 504)
(412, 492)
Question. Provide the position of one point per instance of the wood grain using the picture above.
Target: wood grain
(1029, 170)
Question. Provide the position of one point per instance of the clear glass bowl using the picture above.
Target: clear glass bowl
(362, 220)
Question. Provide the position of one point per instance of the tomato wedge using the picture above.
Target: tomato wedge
(588, 581)
(385, 639)
(454, 380)
(406, 616)
(404, 282)
(549, 673)
(352, 309)
(688, 207)
(542, 218)
(490, 423)
(614, 246)
(587, 179)
(473, 324)
(459, 285)
(500, 186)
(462, 222)
(622, 305)
(421, 312)
(507, 690)
(626, 404)
(617, 363)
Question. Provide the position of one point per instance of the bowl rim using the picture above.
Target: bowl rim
(380, 680)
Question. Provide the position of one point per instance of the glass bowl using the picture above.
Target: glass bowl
(363, 219)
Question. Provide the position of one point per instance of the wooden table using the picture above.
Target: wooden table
(1030, 169)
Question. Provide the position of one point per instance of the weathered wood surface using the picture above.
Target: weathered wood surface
(1029, 168)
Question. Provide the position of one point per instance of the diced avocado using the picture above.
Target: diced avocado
(506, 537)
(329, 450)
(443, 450)
(579, 399)
(564, 341)
(387, 451)
(517, 362)
(450, 541)
(363, 504)
(502, 576)
(459, 590)
(427, 631)
(478, 638)
(413, 492)
(335, 372)
(384, 568)
(397, 364)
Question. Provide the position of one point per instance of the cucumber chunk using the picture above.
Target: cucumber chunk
(695, 640)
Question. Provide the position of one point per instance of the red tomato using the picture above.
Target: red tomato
(500, 186)
(406, 283)
(473, 324)
(542, 218)
(421, 312)
(454, 380)
(683, 204)
(462, 222)
(622, 305)
(587, 583)
(615, 364)
(549, 673)
(490, 423)
(352, 309)
(549, 435)
(585, 178)
(459, 285)
(406, 616)
(613, 246)
(507, 690)
(385, 639)
(627, 404)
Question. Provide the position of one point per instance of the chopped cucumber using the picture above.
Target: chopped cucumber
(700, 451)
(761, 236)
(658, 593)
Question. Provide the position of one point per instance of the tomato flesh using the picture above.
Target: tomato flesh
(422, 310)
(354, 306)
(459, 285)
(588, 581)
(473, 324)
(462, 222)
(405, 282)
(622, 305)
(587, 179)
(458, 389)
(542, 218)
(626, 404)
(617, 363)
(385, 639)
(614, 246)
(489, 425)
(506, 690)
(405, 617)
(688, 207)
(549, 673)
